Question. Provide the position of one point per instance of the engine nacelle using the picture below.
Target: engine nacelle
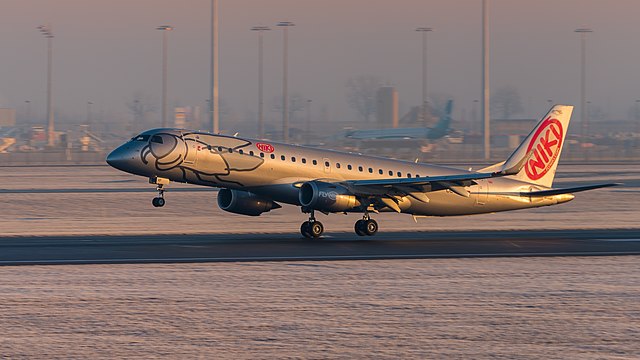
(244, 202)
(324, 196)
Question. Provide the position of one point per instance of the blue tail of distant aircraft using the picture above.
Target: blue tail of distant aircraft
(442, 126)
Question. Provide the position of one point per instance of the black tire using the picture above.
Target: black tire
(316, 229)
(155, 202)
(359, 228)
(305, 230)
(160, 202)
(370, 227)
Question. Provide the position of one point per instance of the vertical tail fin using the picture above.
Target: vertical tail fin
(542, 147)
(442, 126)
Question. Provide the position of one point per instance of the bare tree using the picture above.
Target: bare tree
(361, 94)
(506, 102)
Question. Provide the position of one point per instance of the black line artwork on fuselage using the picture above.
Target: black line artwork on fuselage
(201, 157)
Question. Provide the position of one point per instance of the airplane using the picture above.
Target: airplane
(440, 129)
(255, 176)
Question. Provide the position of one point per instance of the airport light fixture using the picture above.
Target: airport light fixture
(486, 95)
(424, 31)
(214, 111)
(260, 30)
(165, 29)
(47, 32)
(583, 82)
(285, 96)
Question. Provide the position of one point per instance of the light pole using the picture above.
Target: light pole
(165, 29)
(583, 82)
(214, 113)
(28, 113)
(486, 116)
(47, 32)
(89, 103)
(424, 31)
(260, 30)
(308, 121)
(285, 96)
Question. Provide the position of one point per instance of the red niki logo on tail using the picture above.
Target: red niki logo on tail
(546, 145)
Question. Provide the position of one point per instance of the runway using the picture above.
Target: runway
(129, 249)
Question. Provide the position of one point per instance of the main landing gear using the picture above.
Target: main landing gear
(311, 228)
(366, 226)
(160, 183)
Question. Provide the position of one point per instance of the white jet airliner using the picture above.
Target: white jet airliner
(254, 175)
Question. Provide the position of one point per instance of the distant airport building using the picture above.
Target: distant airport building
(7, 117)
(387, 107)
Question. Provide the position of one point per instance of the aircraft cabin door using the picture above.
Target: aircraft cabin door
(192, 149)
(327, 165)
(482, 193)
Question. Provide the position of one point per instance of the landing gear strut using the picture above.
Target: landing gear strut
(366, 226)
(160, 183)
(311, 228)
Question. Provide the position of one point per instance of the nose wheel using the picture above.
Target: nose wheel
(312, 228)
(160, 183)
(366, 226)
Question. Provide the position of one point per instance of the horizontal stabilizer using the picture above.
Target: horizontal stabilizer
(570, 190)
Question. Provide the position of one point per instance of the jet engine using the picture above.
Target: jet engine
(324, 196)
(244, 202)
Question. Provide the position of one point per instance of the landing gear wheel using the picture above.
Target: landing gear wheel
(316, 229)
(370, 227)
(305, 229)
(359, 227)
(158, 202)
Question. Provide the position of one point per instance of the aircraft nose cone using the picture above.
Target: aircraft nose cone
(121, 159)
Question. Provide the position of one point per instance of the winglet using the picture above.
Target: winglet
(515, 169)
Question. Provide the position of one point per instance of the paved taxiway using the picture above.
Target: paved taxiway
(290, 247)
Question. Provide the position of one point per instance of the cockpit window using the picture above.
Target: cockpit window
(141, 138)
(156, 139)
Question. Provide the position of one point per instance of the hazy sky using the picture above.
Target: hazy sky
(105, 51)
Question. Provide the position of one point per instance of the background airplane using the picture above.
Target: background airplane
(254, 175)
(440, 129)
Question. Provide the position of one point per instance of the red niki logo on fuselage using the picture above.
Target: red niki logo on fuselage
(268, 148)
(546, 145)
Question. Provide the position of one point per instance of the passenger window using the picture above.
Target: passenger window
(390, 172)
(408, 175)
(417, 175)
(282, 157)
(209, 147)
(230, 150)
(380, 171)
(337, 165)
(241, 152)
(326, 164)
(360, 168)
(315, 162)
(261, 154)
(156, 139)
(399, 174)
(273, 156)
(293, 159)
(219, 148)
(304, 161)
(370, 171)
(251, 152)
(349, 167)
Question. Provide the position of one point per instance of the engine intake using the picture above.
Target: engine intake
(323, 196)
(244, 202)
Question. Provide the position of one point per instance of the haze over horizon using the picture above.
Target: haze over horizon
(107, 51)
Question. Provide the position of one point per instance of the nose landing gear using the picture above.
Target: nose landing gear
(366, 226)
(160, 183)
(311, 228)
